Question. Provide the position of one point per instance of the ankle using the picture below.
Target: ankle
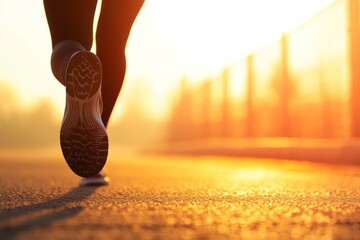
(61, 55)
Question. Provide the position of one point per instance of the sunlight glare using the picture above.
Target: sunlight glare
(170, 40)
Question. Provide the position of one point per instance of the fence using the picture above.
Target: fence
(303, 86)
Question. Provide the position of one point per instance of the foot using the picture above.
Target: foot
(83, 137)
(99, 179)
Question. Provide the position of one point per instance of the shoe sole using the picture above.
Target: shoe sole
(83, 137)
(98, 181)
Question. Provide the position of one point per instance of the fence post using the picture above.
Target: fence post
(206, 108)
(225, 103)
(354, 54)
(250, 98)
(285, 91)
(186, 125)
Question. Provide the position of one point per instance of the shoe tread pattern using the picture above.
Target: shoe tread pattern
(83, 137)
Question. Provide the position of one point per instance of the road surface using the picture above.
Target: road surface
(169, 197)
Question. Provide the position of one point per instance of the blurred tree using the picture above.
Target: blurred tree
(20, 127)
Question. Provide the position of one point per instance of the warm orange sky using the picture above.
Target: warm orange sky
(170, 39)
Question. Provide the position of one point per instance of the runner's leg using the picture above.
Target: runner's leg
(83, 137)
(71, 29)
(115, 22)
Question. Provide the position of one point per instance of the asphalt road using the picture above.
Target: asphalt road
(167, 197)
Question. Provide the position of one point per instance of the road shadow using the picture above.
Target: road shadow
(46, 213)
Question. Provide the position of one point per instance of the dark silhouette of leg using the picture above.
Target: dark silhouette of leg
(71, 29)
(83, 136)
(116, 20)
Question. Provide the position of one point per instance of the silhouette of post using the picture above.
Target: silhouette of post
(354, 54)
(285, 90)
(181, 123)
(225, 103)
(205, 107)
(328, 126)
(250, 98)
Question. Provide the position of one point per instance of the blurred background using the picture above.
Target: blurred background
(198, 70)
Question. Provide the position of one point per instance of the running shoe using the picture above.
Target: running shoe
(83, 137)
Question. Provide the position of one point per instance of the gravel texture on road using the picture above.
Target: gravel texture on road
(168, 197)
